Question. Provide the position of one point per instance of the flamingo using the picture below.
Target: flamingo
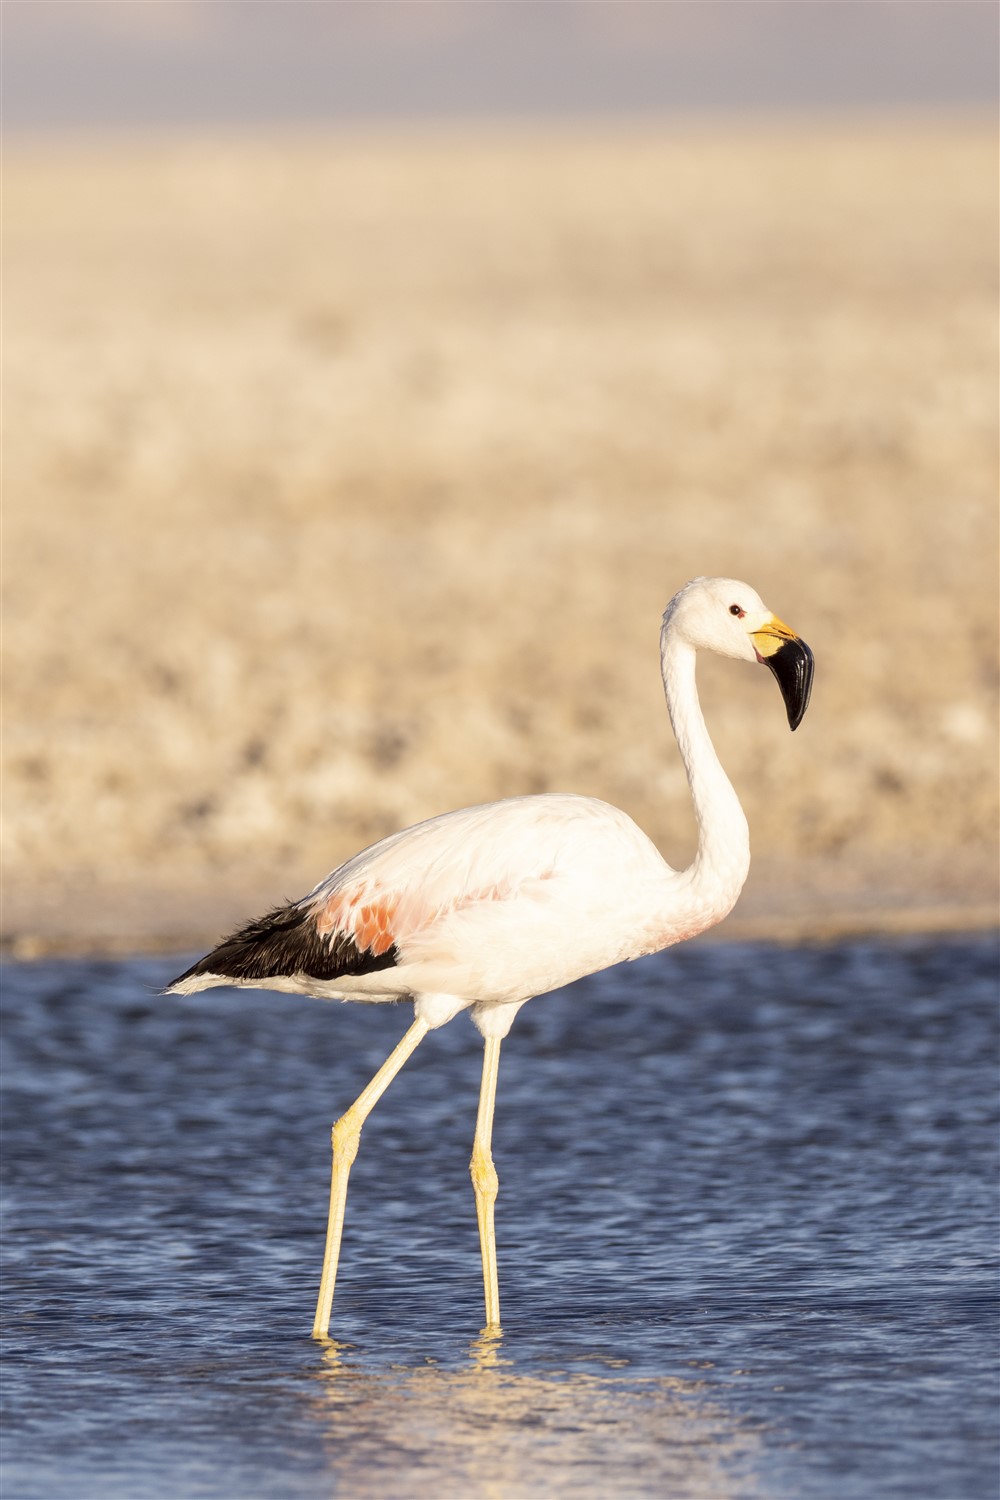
(484, 908)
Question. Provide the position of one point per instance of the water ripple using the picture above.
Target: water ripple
(747, 1237)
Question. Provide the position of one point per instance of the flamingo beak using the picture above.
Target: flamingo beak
(791, 661)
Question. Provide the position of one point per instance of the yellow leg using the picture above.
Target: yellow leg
(484, 1179)
(346, 1135)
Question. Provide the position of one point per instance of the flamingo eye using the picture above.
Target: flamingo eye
(734, 609)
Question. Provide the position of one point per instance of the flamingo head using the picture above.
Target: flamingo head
(730, 618)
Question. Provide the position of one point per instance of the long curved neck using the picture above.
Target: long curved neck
(720, 866)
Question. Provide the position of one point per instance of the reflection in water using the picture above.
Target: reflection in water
(486, 1430)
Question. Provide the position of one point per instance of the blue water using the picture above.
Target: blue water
(747, 1231)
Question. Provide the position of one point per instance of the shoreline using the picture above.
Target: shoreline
(132, 920)
(833, 927)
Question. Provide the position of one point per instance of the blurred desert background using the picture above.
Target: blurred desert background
(348, 466)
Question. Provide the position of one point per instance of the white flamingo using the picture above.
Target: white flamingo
(484, 908)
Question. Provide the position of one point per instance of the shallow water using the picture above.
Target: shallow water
(747, 1232)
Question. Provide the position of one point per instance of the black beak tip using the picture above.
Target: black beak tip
(793, 666)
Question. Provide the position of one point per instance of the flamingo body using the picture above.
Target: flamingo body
(483, 908)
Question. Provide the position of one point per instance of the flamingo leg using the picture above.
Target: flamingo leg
(346, 1135)
(484, 1179)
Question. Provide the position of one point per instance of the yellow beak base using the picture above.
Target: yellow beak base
(790, 660)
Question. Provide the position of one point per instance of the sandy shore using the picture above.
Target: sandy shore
(346, 479)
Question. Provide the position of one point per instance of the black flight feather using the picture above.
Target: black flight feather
(286, 942)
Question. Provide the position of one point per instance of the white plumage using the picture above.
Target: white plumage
(494, 904)
(484, 908)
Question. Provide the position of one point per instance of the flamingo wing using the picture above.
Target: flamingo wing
(445, 905)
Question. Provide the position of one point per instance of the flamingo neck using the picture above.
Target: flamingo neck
(720, 866)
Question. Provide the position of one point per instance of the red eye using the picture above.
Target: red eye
(734, 609)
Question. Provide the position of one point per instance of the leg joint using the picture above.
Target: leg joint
(345, 1136)
(483, 1173)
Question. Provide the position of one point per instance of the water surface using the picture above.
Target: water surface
(747, 1235)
